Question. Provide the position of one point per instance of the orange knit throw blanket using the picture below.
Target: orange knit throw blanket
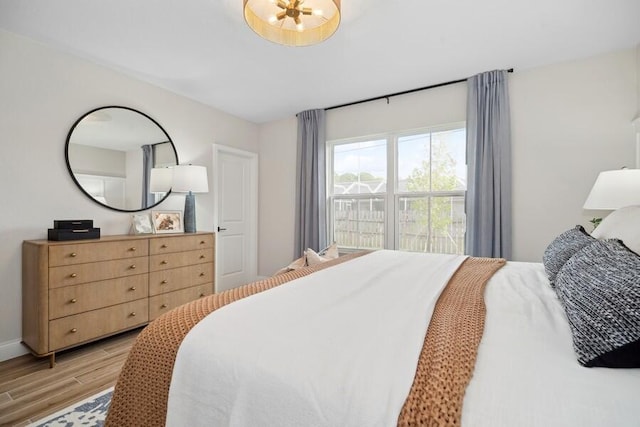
(450, 348)
(141, 393)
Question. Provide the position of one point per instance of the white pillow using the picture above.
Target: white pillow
(299, 263)
(330, 252)
(327, 254)
(623, 224)
(313, 258)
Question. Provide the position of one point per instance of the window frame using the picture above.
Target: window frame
(391, 199)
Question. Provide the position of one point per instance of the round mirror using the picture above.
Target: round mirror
(111, 152)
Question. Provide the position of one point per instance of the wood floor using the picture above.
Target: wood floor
(29, 390)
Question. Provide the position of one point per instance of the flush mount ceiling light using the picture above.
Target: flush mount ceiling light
(290, 23)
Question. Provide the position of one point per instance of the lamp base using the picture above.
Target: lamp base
(189, 213)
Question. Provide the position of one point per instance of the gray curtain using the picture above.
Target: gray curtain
(310, 220)
(488, 201)
(147, 164)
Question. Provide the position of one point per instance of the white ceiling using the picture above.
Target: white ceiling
(202, 49)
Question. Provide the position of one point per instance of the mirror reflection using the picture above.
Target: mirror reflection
(110, 153)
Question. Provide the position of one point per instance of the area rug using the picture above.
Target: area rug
(91, 411)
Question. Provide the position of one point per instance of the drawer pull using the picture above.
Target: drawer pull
(133, 266)
(163, 262)
(201, 294)
(133, 288)
(133, 314)
(132, 249)
(201, 274)
(164, 246)
(74, 330)
(164, 282)
(73, 301)
(73, 254)
(163, 306)
(73, 275)
(202, 242)
(201, 256)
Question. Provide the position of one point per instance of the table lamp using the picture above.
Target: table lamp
(160, 180)
(189, 179)
(613, 190)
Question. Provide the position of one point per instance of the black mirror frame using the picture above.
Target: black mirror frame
(66, 157)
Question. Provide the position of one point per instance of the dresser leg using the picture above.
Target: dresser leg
(52, 360)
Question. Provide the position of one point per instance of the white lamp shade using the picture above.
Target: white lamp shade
(615, 189)
(160, 180)
(190, 178)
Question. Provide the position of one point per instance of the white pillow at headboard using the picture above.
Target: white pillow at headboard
(623, 224)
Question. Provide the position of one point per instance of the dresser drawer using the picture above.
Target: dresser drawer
(161, 304)
(162, 245)
(91, 296)
(71, 330)
(80, 253)
(84, 273)
(179, 259)
(179, 278)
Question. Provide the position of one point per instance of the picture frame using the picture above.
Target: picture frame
(141, 223)
(167, 222)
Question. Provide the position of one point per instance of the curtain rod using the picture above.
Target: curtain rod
(510, 70)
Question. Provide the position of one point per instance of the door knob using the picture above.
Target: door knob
(221, 229)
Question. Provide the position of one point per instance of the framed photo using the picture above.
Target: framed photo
(167, 221)
(141, 224)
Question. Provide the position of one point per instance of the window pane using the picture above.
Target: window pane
(431, 224)
(359, 223)
(413, 163)
(448, 165)
(432, 162)
(360, 167)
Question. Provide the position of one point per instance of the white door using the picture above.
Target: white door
(235, 216)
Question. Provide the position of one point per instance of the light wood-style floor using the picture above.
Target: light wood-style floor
(29, 390)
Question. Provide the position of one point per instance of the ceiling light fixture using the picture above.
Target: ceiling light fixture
(287, 22)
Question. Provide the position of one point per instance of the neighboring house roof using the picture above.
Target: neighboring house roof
(379, 186)
(360, 187)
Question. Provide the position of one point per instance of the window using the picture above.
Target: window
(399, 191)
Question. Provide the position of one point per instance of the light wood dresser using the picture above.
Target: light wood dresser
(74, 292)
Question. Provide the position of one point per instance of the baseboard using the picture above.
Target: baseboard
(11, 349)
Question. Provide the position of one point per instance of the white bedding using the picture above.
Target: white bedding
(323, 350)
(526, 372)
(339, 348)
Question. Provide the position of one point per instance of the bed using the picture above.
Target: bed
(381, 338)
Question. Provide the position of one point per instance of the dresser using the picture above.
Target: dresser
(75, 292)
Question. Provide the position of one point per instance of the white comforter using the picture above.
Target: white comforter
(339, 348)
(526, 372)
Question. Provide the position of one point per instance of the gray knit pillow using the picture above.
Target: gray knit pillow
(562, 248)
(600, 290)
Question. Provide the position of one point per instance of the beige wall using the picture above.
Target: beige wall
(569, 121)
(42, 93)
(276, 195)
(434, 107)
(637, 116)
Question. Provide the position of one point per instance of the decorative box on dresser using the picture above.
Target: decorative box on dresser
(74, 292)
